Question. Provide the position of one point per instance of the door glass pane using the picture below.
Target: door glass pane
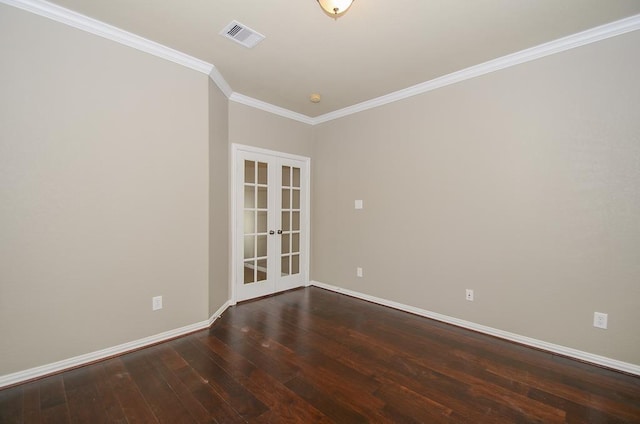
(249, 222)
(284, 265)
(295, 225)
(262, 198)
(262, 221)
(286, 201)
(295, 203)
(285, 243)
(249, 247)
(296, 177)
(295, 264)
(249, 196)
(262, 246)
(249, 171)
(262, 173)
(258, 251)
(261, 270)
(255, 221)
(249, 275)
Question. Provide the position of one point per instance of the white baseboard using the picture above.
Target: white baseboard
(539, 344)
(217, 314)
(76, 361)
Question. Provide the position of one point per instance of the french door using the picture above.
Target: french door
(271, 222)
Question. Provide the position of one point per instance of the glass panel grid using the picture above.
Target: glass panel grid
(290, 221)
(255, 221)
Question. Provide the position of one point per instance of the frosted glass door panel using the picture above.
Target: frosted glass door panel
(256, 200)
(290, 221)
(271, 231)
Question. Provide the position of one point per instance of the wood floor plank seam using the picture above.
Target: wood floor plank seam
(316, 356)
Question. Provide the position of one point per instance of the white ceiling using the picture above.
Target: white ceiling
(377, 48)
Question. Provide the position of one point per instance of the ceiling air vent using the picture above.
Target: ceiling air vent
(242, 34)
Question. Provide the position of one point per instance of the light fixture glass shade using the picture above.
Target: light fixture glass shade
(335, 8)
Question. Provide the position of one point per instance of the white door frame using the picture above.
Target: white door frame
(235, 149)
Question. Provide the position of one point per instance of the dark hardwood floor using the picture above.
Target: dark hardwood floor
(313, 356)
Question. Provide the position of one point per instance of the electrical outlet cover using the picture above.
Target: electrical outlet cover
(600, 320)
(469, 295)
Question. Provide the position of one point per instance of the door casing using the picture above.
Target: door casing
(236, 187)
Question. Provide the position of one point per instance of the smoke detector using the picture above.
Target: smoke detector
(241, 34)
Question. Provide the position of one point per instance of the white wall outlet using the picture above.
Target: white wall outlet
(469, 295)
(358, 272)
(359, 204)
(600, 320)
(156, 303)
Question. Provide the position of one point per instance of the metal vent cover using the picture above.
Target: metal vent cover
(241, 34)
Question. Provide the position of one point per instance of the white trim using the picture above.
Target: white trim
(110, 32)
(562, 44)
(235, 151)
(589, 36)
(233, 210)
(77, 361)
(219, 80)
(259, 268)
(236, 147)
(539, 344)
(268, 107)
(217, 314)
(85, 23)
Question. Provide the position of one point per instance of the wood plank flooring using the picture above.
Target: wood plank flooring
(313, 356)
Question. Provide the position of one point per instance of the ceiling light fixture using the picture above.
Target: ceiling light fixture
(335, 8)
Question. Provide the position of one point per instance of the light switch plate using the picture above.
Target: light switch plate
(156, 303)
(359, 204)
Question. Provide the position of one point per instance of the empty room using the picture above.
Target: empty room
(319, 211)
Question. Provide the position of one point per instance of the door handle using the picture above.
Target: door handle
(279, 231)
(272, 232)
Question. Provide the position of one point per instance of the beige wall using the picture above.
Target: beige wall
(103, 193)
(254, 127)
(523, 185)
(218, 199)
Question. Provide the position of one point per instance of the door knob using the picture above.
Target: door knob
(272, 232)
(279, 231)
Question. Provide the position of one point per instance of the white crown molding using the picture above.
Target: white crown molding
(528, 341)
(93, 26)
(589, 36)
(603, 32)
(77, 361)
(268, 107)
(85, 23)
(219, 80)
